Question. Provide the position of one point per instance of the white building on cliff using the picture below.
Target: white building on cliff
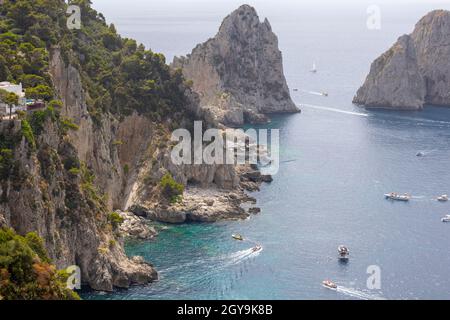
(18, 90)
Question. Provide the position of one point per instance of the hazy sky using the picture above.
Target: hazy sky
(164, 25)
(398, 9)
(195, 5)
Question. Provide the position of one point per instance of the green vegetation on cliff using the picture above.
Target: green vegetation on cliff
(171, 189)
(119, 75)
(26, 271)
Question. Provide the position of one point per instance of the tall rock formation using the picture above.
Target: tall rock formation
(238, 74)
(414, 71)
(394, 80)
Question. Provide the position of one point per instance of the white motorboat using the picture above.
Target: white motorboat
(443, 198)
(257, 248)
(238, 237)
(398, 197)
(329, 284)
(343, 252)
(446, 218)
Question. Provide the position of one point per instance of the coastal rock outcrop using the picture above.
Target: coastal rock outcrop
(394, 80)
(136, 227)
(414, 72)
(238, 74)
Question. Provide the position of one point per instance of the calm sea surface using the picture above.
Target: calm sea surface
(337, 162)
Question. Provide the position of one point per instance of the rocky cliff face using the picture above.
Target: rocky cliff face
(414, 71)
(127, 158)
(43, 195)
(394, 80)
(432, 41)
(238, 74)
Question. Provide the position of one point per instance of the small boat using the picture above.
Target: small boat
(443, 198)
(420, 154)
(238, 237)
(446, 218)
(329, 284)
(343, 252)
(295, 90)
(314, 68)
(256, 248)
(325, 94)
(398, 197)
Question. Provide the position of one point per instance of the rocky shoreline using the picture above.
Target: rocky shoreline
(136, 227)
(206, 204)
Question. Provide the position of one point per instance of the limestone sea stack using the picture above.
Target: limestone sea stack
(414, 71)
(238, 74)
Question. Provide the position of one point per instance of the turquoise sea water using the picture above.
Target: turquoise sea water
(337, 162)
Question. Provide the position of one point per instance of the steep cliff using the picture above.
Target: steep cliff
(432, 41)
(414, 72)
(394, 80)
(66, 167)
(46, 189)
(102, 144)
(239, 73)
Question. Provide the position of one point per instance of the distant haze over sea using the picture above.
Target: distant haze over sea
(174, 27)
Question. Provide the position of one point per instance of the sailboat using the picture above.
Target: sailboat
(314, 68)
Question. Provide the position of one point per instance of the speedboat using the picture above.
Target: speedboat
(329, 284)
(295, 90)
(343, 252)
(420, 154)
(238, 237)
(257, 248)
(443, 198)
(446, 218)
(398, 197)
(325, 94)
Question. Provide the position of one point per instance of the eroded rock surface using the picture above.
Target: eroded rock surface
(238, 74)
(415, 71)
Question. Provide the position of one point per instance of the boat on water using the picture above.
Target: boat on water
(325, 94)
(398, 197)
(343, 252)
(295, 90)
(443, 198)
(238, 237)
(314, 68)
(446, 218)
(257, 248)
(420, 154)
(329, 284)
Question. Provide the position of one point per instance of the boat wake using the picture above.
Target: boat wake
(334, 110)
(289, 161)
(358, 294)
(425, 153)
(220, 262)
(240, 256)
(313, 92)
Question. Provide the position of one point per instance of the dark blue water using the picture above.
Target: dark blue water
(337, 162)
